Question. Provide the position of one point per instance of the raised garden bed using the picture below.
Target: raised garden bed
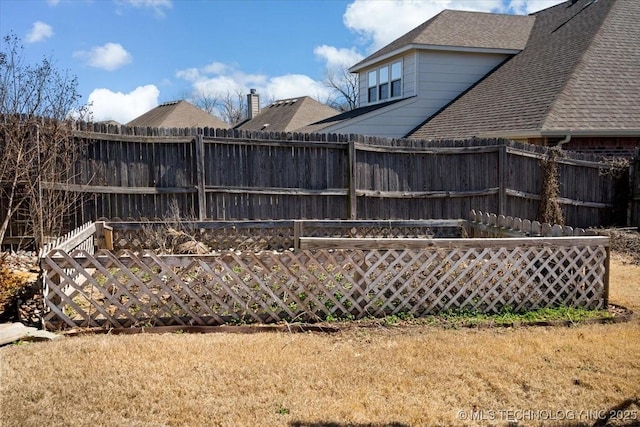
(118, 274)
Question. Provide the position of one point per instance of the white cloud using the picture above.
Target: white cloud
(110, 56)
(189, 74)
(53, 2)
(337, 58)
(219, 80)
(157, 6)
(215, 68)
(525, 7)
(123, 107)
(217, 87)
(292, 85)
(39, 32)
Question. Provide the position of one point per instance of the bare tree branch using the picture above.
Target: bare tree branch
(233, 107)
(207, 103)
(344, 87)
(36, 145)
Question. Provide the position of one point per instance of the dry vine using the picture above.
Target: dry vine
(550, 210)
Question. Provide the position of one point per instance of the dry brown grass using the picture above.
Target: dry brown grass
(416, 375)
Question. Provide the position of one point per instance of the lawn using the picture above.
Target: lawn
(362, 376)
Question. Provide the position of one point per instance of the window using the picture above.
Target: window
(385, 82)
(373, 86)
(396, 79)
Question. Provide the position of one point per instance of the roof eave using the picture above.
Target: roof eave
(556, 133)
(414, 46)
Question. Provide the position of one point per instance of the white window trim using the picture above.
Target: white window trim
(389, 83)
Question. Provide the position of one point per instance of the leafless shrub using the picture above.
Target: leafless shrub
(37, 150)
(174, 234)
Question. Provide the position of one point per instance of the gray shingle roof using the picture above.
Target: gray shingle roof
(177, 114)
(455, 28)
(288, 115)
(580, 70)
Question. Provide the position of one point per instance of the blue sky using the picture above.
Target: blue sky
(131, 55)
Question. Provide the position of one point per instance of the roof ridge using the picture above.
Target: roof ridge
(406, 35)
(460, 29)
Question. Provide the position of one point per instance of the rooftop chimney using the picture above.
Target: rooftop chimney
(253, 104)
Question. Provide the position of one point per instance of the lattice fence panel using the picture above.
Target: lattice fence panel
(276, 235)
(127, 288)
(417, 232)
(213, 239)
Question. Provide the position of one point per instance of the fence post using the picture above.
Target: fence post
(103, 236)
(634, 186)
(607, 269)
(108, 237)
(200, 177)
(99, 240)
(353, 202)
(297, 233)
(502, 177)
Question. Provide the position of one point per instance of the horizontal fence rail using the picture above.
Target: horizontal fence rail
(319, 277)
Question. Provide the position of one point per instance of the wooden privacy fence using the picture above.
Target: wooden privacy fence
(315, 278)
(221, 174)
(232, 175)
(634, 205)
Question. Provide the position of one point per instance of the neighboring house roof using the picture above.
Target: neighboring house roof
(111, 122)
(177, 114)
(458, 29)
(579, 72)
(288, 115)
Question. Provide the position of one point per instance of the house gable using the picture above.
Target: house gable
(452, 29)
(429, 66)
(455, 39)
